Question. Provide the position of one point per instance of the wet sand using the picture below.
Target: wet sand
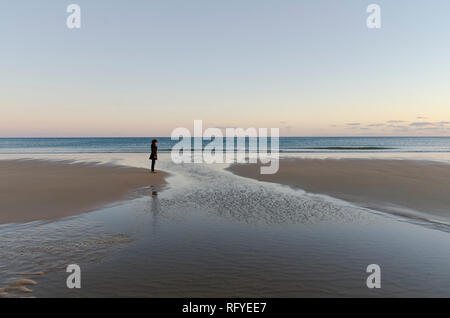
(33, 190)
(407, 187)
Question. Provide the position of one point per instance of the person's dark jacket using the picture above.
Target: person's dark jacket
(154, 154)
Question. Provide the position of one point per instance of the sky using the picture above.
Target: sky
(144, 68)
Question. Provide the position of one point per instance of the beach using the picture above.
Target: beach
(32, 190)
(205, 231)
(407, 187)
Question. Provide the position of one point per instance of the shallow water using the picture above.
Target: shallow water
(214, 234)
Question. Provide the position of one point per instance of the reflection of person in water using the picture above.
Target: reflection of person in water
(154, 154)
(155, 209)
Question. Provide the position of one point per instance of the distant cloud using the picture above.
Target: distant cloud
(421, 123)
(401, 129)
(428, 128)
(376, 125)
(421, 117)
(285, 125)
(395, 121)
(364, 128)
(398, 126)
(444, 123)
(353, 124)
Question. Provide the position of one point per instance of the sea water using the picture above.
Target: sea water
(287, 145)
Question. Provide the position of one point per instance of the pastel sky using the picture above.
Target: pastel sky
(143, 68)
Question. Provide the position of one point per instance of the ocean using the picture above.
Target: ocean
(286, 144)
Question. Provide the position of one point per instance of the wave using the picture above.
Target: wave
(350, 148)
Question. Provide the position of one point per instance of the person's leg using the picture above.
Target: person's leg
(153, 165)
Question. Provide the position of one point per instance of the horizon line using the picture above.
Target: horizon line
(111, 137)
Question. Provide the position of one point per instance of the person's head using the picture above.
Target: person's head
(154, 142)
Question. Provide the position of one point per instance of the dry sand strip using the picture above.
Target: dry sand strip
(33, 190)
(398, 186)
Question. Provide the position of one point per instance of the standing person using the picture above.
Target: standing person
(154, 154)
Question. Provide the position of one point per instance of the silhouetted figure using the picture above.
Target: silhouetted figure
(154, 154)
